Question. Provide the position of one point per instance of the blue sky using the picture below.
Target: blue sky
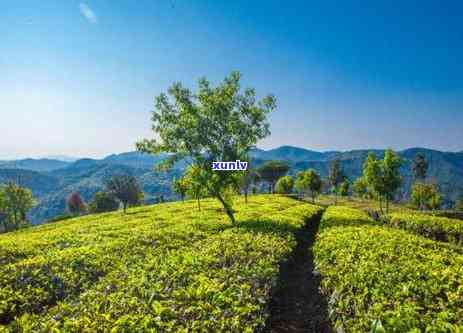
(79, 78)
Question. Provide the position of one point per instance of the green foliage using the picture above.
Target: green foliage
(426, 195)
(104, 202)
(336, 216)
(336, 175)
(271, 171)
(163, 268)
(284, 185)
(309, 182)
(377, 277)
(215, 124)
(126, 189)
(435, 227)
(344, 188)
(197, 180)
(15, 202)
(360, 187)
(248, 178)
(383, 176)
(180, 186)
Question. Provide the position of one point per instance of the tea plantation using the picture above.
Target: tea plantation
(162, 268)
(381, 279)
(172, 268)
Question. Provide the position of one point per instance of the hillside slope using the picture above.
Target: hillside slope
(164, 268)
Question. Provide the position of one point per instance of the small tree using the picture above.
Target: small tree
(75, 204)
(249, 178)
(335, 177)
(284, 185)
(383, 176)
(419, 167)
(359, 188)
(344, 188)
(215, 124)
(15, 202)
(196, 179)
(426, 196)
(180, 186)
(271, 171)
(104, 202)
(309, 182)
(126, 189)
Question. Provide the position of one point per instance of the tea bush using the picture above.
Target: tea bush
(162, 268)
(380, 279)
(434, 227)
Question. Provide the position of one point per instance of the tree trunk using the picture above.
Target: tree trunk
(270, 188)
(199, 204)
(387, 205)
(246, 197)
(124, 207)
(228, 209)
(381, 204)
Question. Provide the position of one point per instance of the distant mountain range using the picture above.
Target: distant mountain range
(52, 180)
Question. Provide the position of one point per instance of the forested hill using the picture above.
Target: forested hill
(51, 181)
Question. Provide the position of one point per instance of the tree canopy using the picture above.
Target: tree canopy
(214, 124)
(126, 189)
(271, 171)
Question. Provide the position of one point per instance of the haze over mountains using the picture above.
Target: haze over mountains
(52, 180)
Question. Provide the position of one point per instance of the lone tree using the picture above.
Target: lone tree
(271, 171)
(180, 186)
(383, 176)
(104, 202)
(75, 204)
(335, 177)
(360, 187)
(15, 202)
(344, 188)
(419, 167)
(126, 189)
(214, 124)
(284, 185)
(426, 196)
(249, 178)
(309, 182)
(196, 180)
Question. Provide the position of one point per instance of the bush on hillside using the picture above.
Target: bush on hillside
(104, 202)
(284, 185)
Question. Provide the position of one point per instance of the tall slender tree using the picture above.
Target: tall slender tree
(336, 177)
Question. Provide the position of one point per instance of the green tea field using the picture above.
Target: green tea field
(172, 268)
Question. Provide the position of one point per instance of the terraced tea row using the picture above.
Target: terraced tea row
(166, 267)
(381, 279)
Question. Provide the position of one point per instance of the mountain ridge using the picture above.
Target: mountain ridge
(51, 186)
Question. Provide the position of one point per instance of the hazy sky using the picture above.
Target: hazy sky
(79, 78)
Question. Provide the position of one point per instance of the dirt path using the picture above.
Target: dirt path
(296, 305)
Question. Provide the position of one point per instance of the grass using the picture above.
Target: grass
(165, 268)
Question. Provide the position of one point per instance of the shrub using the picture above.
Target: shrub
(284, 185)
(386, 280)
(104, 202)
(342, 216)
(434, 227)
(426, 196)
